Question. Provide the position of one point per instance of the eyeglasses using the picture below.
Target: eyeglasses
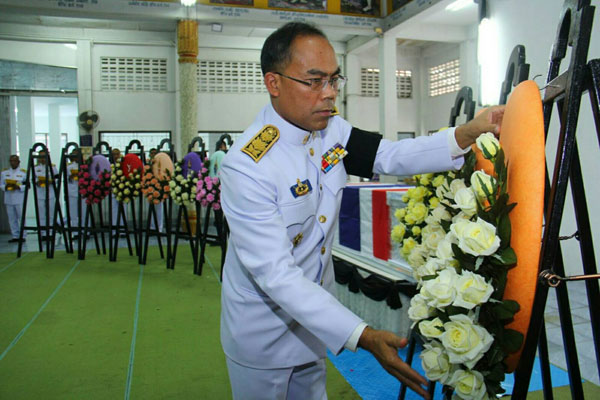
(319, 84)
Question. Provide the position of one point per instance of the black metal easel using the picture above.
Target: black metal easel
(49, 187)
(565, 91)
(66, 156)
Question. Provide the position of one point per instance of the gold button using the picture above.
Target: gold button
(311, 151)
(321, 281)
(320, 187)
(305, 139)
(323, 250)
(322, 219)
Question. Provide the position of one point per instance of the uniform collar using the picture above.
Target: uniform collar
(289, 133)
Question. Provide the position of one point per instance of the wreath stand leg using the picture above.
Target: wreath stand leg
(152, 217)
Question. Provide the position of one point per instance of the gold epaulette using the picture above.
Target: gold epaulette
(23, 169)
(258, 146)
(335, 111)
(4, 169)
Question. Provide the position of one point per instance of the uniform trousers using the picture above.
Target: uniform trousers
(304, 382)
(14, 217)
(42, 210)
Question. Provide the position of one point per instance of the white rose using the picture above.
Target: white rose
(179, 178)
(481, 180)
(466, 201)
(439, 213)
(431, 329)
(119, 172)
(417, 256)
(468, 385)
(137, 186)
(441, 291)
(471, 290)
(465, 341)
(432, 266)
(455, 186)
(418, 309)
(178, 189)
(488, 144)
(432, 235)
(435, 362)
(172, 184)
(126, 191)
(456, 229)
(478, 238)
(121, 186)
(444, 249)
(441, 191)
(185, 196)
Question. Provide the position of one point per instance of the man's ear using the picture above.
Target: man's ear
(272, 83)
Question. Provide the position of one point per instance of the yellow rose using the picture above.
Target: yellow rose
(416, 230)
(481, 180)
(417, 193)
(398, 232)
(400, 213)
(488, 144)
(468, 384)
(434, 202)
(425, 179)
(408, 245)
(419, 212)
(438, 181)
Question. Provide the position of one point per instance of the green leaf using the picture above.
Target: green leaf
(503, 228)
(496, 374)
(511, 340)
(478, 263)
(508, 256)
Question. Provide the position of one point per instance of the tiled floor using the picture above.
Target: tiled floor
(580, 314)
(577, 298)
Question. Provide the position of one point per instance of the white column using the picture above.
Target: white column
(388, 100)
(84, 80)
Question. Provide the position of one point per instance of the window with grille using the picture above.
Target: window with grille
(230, 77)
(369, 83)
(444, 78)
(133, 74)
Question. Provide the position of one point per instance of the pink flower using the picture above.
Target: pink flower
(210, 197)
(107, 184)
(96, 200)
(207, 180)
(200, 184)
(209, 186)
(97, 192)
(202, 193)
(204, 203)
(216, 206)
(86, 175)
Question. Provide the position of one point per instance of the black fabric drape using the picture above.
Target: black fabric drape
(373, 286)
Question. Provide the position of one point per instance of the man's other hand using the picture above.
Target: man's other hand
(489, 120)
(384, 346)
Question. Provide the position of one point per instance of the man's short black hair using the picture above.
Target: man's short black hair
(275, 53)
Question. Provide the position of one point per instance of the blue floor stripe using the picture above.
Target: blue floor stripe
(371, 382)
(20, 334)
(213, 270)
(135, 324)
(13, 262)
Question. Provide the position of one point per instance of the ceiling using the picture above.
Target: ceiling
(434, 18)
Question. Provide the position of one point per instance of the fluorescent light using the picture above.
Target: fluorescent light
(458, 5)
(487, 57)
(70, 46)
(188, 3)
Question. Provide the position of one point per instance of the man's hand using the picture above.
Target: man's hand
(489, 120)
(384, 346)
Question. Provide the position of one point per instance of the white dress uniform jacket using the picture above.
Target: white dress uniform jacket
(13, 199)
(277, 309)
(73, 191)
(40, 171)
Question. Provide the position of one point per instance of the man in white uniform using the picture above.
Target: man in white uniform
(73, 190)
(12, 183)
(282, 186)
(40, 186)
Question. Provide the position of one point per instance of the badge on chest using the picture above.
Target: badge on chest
(301, 188)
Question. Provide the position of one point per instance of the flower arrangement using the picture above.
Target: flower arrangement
(93, 190)
(460, 253)
(208, 189)
(125, 187)
(154, 188)
(183, 190)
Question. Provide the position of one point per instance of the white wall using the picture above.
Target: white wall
(516, 26)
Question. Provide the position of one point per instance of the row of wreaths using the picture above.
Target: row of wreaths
(186, 181)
